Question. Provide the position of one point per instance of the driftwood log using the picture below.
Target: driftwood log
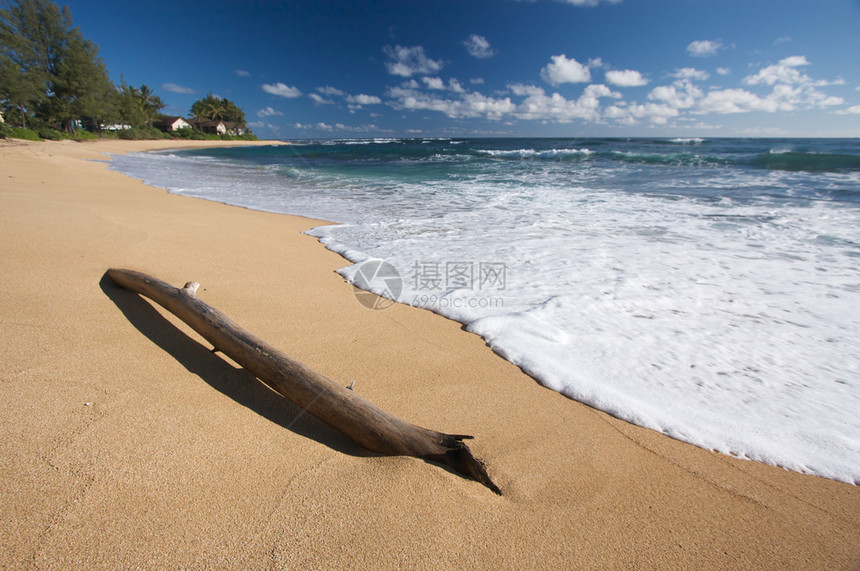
(341, 408)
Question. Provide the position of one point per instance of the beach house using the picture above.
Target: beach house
(217, 127)
(171, 124)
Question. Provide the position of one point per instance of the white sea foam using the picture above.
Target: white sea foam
(731, 324)
(531, 153)
(708, 324)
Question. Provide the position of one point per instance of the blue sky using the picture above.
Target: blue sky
(324, 68)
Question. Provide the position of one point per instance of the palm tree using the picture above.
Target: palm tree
(150, 104)
(210, 108)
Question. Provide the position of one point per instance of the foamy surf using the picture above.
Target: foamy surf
(710, 297)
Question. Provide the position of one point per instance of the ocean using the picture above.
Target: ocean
(708, 289)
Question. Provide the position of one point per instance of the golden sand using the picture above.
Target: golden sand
(126, 443)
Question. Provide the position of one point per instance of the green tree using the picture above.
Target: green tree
(138, 106)
(214, 108)
(28, 34)
(53, 72)
(150, 104)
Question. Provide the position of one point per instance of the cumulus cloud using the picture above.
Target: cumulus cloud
(783, 72)
(362, 99)
(329, 90)
(656, 113)
(478, 47)
(282, 90)
(468, 105)
(540, 106)
(524, 90)
(563, 70)
(319, 99)
(242, 73)
(723, 71)
(791, 88)
(776, 88)
(268, 112)
(354, 101)
(340, 127)
(625, 78)
(682, 94)
(173, 88)
(725, 101)
(691, 73)
(407, 62)
(704, 48)
(438, 84)
(433, 82)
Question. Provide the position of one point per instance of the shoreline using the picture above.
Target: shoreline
(127, 443)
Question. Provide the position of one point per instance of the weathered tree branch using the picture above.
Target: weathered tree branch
(360, 420)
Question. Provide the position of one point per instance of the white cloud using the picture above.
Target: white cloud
(490, 107)
(625, 78)
(480, 81)
(407, 62)
(682, 94)
(853, 110)
(282, 90)
(438, 84)
(329, 90)
(563, 70)
(656, 113)
(242, 73)
(268, 112)
(691, 73)
(704, 48)
(478, 47)
(522, 90)
(783, 72)
(433, 82)
(340, 127)
(782, 40)
(725, 101)
(354, 101)
(540, 106)
(173, 88)
(469, 105)
(320, 100)
(362, 99)
(791, 88)
(723, 71)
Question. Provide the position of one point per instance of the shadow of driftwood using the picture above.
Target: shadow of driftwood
(234, 382)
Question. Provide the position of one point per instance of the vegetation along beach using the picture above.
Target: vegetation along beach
(631, 291)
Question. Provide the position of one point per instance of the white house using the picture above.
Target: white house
(172, 123)
(220, 127)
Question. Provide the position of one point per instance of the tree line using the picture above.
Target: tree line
(52, 78)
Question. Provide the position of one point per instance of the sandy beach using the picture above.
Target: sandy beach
(127, 443)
